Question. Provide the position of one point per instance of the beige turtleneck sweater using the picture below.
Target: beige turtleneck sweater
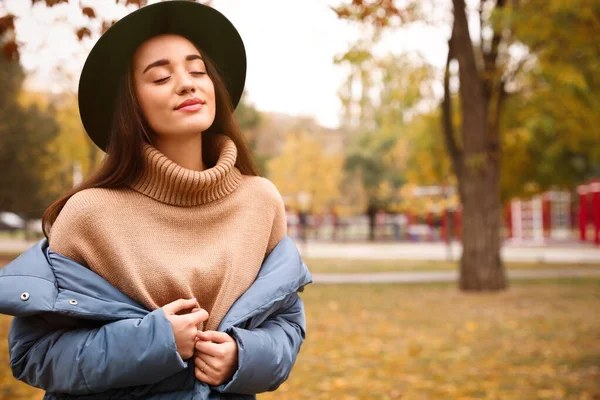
(176, 233)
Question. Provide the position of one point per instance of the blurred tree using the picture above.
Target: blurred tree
(24, 137)
(367, 160)
(427, 161)
(353, 197)
(357, 104)
(71, 146)
(551, 121)
(304, 169)
(401, 83)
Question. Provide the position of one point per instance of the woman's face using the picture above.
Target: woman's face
(167, 70)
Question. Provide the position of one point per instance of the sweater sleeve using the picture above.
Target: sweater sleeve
(279, 227)
(70, 232)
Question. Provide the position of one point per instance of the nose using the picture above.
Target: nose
(185, 84)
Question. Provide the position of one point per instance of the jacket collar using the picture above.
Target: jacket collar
(56, 283)
(283, 272)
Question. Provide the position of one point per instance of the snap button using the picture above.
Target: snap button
(24, 296)
(73, 302)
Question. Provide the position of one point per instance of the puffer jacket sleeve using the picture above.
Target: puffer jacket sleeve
(267, 353)
(84, 360)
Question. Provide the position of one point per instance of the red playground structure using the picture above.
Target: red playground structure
(589, 212)
(556, 216)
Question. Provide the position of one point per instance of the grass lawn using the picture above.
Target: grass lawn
(17, 235)
(538, 340)
(11, 235)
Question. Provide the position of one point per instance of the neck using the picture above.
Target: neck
(183, 151)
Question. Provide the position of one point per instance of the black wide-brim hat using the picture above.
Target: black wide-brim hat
(104, 67)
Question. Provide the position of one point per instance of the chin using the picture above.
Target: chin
(186, 129)
(197, 124)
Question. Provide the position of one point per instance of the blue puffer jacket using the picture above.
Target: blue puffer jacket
(78, 337)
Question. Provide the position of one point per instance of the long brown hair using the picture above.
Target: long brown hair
(124, 161)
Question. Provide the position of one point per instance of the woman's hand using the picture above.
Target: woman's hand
(216, 357)
(185, 326)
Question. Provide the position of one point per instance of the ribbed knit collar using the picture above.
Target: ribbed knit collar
(170, 183)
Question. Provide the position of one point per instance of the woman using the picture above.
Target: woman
(172, 274)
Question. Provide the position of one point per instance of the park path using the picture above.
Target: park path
(429, 251)
(572, 253)
(552, 254)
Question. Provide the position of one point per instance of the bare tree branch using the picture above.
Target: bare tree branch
(511, 75)
(481, 41)
(490, 57)
(497, 103)
(447, 127)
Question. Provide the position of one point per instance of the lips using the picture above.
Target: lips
(190, 102)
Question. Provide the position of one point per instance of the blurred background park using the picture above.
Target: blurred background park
(440, 166)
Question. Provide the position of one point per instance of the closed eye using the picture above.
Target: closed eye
(193, 73)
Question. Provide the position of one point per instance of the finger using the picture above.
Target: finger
(178, 305)
(204, 377)
(204, 363)
(197, 317)
(209, 348)
(214, 336)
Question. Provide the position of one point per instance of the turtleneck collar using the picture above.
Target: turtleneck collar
(170, 183)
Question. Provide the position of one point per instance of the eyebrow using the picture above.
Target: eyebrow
(167, 62)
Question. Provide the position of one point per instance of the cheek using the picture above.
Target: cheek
(143, 100)
(212, 91)
(149, 98)
(212, 98)
(153, 104)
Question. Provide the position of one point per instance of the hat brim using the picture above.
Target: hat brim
(204, 26)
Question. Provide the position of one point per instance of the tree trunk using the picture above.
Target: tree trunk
(476, 164)
(372, 214)
(481, 266)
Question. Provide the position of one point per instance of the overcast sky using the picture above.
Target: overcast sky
(290, 45)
